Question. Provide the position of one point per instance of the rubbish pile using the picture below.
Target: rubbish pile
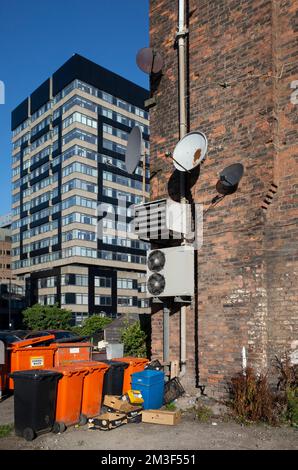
(60, 385)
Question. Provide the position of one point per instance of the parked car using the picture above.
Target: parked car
(61, 336)
(12, 336)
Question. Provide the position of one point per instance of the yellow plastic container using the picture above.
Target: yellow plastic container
(135, 397)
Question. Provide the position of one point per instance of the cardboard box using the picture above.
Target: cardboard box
(161, 417)
(114, 402)
(108, 421)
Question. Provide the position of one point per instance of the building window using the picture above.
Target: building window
(79, 201)
(79, 235)
(79, 184)
(125, 283)
(47, 282)
(81, 118)
(47, 299)
(102, 300)
(125, 301)
(79, 168)
(81, 135)
(74, 280)
(78, 299)
(80, 218)
(102, 281)
(110, 145)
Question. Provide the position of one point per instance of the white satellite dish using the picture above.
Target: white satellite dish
(134, 149)
(190, 151)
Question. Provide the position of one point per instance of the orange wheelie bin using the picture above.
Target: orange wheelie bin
(92, 387)
(69, 397)
(67, 353)
(135, 364)
(27, 354)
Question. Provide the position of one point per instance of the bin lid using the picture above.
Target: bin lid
(147, 377)
(35, 374)
(71, 344)
(90, 365)
(115, 364)
(71, 369)
(25, 343)
(132, 360)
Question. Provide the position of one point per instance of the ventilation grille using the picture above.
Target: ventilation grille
(150, 220)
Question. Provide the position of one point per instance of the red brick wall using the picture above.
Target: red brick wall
(247, 267)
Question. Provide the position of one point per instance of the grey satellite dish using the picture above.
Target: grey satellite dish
(231, 175)
(149, 60)
(134, 149)
(190, 151)
(229, 179)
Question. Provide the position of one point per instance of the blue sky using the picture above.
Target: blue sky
(38, 36)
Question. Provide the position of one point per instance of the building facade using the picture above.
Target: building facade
(72, 240)
(242, 71)
(12, 295)
(5, 253)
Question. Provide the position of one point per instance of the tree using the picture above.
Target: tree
(43, 317)
(134, 340)
(92, 325)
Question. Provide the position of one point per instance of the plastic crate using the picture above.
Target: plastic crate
(173, 389)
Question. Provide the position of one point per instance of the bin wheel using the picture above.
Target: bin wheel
(59, 426)
(83, 420)
(29, 434)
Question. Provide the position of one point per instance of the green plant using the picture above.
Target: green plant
(288, 385)
(292, 405)
(252, 399)
(288, 373)
(5, 429)
(171, 406)
(42, 317)
(203, 413)
(92, 325)
(134, 340)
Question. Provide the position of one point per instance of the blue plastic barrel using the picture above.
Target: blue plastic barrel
(151, 385)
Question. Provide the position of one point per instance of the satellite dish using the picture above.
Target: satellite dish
(229, 178)
(149, 60)
(190, 151)
(134, 149)
(232, 174)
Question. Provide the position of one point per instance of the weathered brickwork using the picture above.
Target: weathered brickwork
(243, 57)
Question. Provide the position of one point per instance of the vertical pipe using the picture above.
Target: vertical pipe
(9, 305)
(144, 176)
(181, 58)
(166, 334)
(182, 132)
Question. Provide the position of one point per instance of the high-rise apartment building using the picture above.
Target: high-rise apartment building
(69, 140)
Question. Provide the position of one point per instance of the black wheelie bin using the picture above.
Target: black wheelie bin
(35, 393)
(114, 376)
